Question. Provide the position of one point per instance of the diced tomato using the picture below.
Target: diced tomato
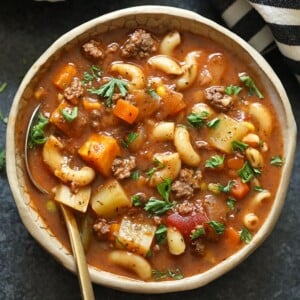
(185, 224)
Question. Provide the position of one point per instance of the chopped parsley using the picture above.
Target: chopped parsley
(174, 274)
(3, 86)
(153, 93)
(246, 173)
(161, 234)
(96, 72)
(164, 189)
(258, 189)
(226, 188)
(198, 120)
(131, 137)
(215, 161)
(107, 90)
(276, 161)
(231, 203)
(239, 146)
(245, 235)
(218, 227)
(214, 123)
(70, 115)
(37, 131)
(2, 159)
(197, 232)
(135, 175)
(3, 118)
(232, 89)
(158, 207)
(157, 165)
(248, 81)
(136, 201)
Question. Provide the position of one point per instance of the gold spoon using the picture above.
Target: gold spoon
(77, 248)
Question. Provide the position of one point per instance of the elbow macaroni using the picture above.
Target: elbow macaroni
(169, 43)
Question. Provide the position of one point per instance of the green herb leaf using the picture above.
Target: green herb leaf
(131, 137)
(226, 188)
(107, 90)
(232, 89)
(231, 203)
(198, 120)
(174, 274)
(2, 159)
(197, 232)
(135, 175)
(3, 86)
(158, 275)
(245, 235)
(276, 161)
(239, 146)
(164, 189)
(218, 227)
(96, 72)
(248, 81)
(136, 200)
(70, 115)
(157, 206)
(246, 172)
(214, 123)
(3, 118)
(158, 165)
(161, 234)
(258, 189)
(37, 133)
(215, 161)
(153, 94)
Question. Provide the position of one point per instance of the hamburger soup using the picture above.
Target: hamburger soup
(167, 147)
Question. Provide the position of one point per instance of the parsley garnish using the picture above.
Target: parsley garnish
(153, 94)
(37, 134)
(218, 227)
(198, 120)
(245, 235)
(3, 86)
(70, 115)
(96, 72)
(174, 274)
(215, 161)
(248, 81)
(164, 189)
(135, 175)
(258, 189)
(129, 139)
(197, 232)
(2, 159)
(158, 207)
(161, 234)
(231, 203)
(107, 90)
(226, 188)
(3, 118)
(239, 146)
(232, 89)
(136, 200)
(158, 165)
(214, 123)
(276, 161)
(246, 172)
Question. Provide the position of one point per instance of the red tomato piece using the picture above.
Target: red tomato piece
(185, 224)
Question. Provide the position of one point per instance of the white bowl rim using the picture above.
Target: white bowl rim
(120, 282)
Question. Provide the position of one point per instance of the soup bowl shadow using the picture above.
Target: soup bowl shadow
(154, 18)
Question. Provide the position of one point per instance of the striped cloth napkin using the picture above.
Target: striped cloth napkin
(265, 24)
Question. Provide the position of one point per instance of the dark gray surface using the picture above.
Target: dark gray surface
(28, 272)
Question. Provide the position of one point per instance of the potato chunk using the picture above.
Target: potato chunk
(99, 151)
(229, 130)
(136, 237)
(109, 199)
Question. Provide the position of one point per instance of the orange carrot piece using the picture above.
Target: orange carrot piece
(64, 76)
(113, 231)
(89, 105)
(232, 236)
(240, 189)
(100, 151)
(126, 111)
(235, 163)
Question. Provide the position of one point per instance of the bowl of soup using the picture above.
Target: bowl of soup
(170, 138)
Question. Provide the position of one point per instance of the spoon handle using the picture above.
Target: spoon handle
(79, 255)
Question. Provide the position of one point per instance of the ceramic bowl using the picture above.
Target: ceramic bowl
(153, 18)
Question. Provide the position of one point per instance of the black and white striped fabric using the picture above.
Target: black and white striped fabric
(266, 23)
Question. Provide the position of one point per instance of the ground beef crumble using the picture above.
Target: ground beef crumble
(122, 167)
(74, 91)
(101, 228)
(217, 99)
(93, 49)
(140, 44)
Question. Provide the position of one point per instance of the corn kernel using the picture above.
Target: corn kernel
(161, 91)
(249, 125)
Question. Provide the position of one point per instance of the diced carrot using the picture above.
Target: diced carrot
(240, 189)
(100, 151)
(126, 111)
(235, 162)
(113, 231)
(64, 76)
(172, 102)
(90, 105)
(232, 236)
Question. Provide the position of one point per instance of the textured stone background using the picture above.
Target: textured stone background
(27, 272)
